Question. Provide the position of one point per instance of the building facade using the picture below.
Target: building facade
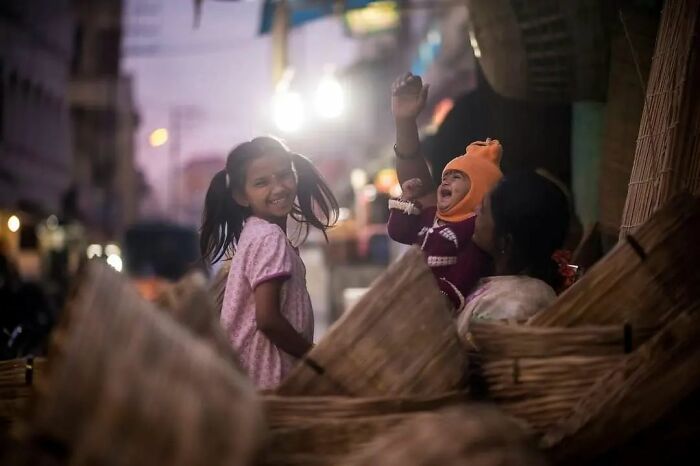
(35, 57)
(104, 122)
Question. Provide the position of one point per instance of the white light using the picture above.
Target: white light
(358, 178)
(113, 249)
(13, 223)
(370, 192)
(115, 261)
(474, 44)
(330, 98)
(94, 250)
(288, 111)
(434, 37)
(343, 214)
(52, 222)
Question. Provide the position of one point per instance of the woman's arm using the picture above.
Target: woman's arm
(272, 323)
(408, 98)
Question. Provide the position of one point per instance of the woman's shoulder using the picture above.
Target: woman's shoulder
(521, 286)
(512, 297)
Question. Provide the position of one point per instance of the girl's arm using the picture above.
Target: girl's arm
(407, 101)
(273, 324)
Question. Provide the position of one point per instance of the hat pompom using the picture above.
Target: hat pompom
(490, 150)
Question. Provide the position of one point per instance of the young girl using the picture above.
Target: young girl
(523, 221)
(266, 309)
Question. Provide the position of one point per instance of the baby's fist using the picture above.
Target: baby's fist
(412, 189)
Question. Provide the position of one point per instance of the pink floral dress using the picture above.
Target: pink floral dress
(263, 253)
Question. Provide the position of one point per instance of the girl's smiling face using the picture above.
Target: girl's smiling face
(455, 185)
(270, 187)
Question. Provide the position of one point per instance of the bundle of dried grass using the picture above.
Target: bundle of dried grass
(323, 442)
(497, 340)
(128, 386)
(667, 158)
(468, 435)
(189, 302)
(541, 50)
(537, 373)
(284, 411)
(634, 394)
(322, 430)
(399, 340)
(541, 390)
(646, 279)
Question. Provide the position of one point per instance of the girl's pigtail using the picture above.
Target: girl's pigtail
(318, 206)
(222, 220)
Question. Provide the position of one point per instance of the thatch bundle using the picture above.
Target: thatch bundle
(541, 50)
(645, 280)
(321, 430)
(282, 411)
(398, 340)
(537, 374)
(189, 301)
(127, 385)
(467, 435)
(633, 395)
(667, 157)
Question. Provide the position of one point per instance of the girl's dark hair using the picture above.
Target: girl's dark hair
(535, 213)
(223, 218)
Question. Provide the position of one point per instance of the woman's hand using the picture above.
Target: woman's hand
(408, 97)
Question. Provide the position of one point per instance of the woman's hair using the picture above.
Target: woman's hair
(223, 218)
(535, 213)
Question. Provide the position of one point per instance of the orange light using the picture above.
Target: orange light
(386, 180)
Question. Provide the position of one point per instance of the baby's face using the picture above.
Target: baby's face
(455, 185)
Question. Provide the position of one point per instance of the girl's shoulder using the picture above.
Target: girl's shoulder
(256, 230)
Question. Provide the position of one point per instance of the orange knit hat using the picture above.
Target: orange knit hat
(481, 163)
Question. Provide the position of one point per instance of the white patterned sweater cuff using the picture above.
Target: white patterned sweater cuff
(407, 207)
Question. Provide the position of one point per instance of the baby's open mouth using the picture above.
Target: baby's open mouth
(445, 192)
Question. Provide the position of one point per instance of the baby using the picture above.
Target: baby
(444, 230)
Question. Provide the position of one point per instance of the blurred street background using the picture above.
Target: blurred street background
(117, 113)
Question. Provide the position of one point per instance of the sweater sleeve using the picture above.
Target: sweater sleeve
(406, 221)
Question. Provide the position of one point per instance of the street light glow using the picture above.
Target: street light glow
(115, 262)
(330, 98)
(13, 223)
(288, 111)
(358, 178)
(158, 137)
(94, 250)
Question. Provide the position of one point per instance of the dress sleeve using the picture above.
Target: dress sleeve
(269, 257)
